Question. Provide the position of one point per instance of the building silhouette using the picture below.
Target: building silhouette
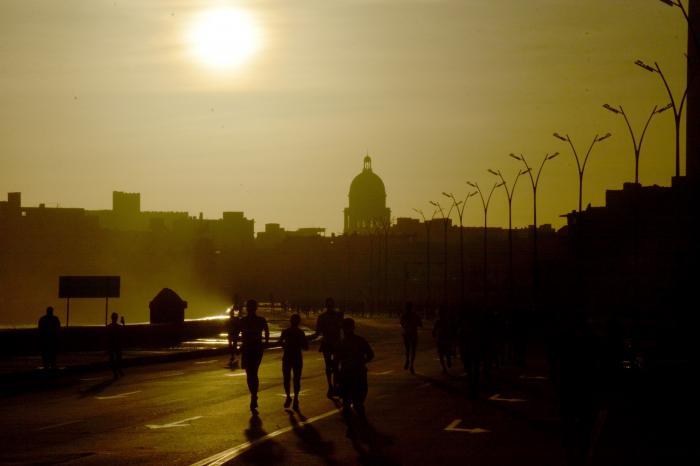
(367, 210)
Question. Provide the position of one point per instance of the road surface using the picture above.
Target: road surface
(196, 412)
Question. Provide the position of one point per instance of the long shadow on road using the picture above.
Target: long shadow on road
(311, 440)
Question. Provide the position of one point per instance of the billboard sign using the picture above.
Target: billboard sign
(88, 286)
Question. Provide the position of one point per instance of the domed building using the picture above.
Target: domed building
(367, 210)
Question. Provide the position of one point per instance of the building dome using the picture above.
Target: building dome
(367, 202)
(367, 186)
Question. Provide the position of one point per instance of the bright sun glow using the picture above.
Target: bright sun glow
(224, 38)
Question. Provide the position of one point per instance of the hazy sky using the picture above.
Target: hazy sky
(97, 96)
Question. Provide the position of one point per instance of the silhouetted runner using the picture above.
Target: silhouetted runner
(293, 341)
(410, 321)
(353, 353)
(442, 332)
(329, 325)
(114, 345)
(251, 327)
(49, 327)
(232, 328)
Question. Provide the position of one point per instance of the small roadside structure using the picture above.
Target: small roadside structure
(167, 308)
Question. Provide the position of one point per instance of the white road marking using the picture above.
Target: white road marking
(53, 426)
(497, 397)
(114, 397)
(301, 393)
(183, 423)
(227, 455)
(452, 427)
(235, 374)
(382, 373)
(425, 385)
(206, 362)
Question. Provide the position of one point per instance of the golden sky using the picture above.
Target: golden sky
(97, 96)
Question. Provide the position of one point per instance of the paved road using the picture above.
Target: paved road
(196, 412)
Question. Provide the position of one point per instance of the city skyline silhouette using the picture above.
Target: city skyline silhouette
(171, 122)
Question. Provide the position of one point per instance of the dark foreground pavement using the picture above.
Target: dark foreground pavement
(196, 412)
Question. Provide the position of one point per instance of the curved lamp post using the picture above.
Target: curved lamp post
(485, 202)
(534, 180)
(460, 213)
(581, 165)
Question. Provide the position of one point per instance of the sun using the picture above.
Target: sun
(224, 38)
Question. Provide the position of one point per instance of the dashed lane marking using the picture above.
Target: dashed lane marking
(54, 426)
(235, 374)
(115, 397)
(207, 362)
(452, 427)
(183, 423)
(382, 373)
(227, 455)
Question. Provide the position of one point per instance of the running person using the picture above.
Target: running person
(353, 353)
(410, 321)
(251, 327)
(329, 325)
(293, 341)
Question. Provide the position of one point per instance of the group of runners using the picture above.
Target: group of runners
(345, 355)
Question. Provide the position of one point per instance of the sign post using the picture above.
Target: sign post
(88, 287)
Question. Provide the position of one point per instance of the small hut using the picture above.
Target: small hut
(167, 308)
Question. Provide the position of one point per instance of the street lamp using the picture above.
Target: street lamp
(427, 255)
(677, 107)
(460, 213)
(684, 10)
(485, 201)
(534, 180)
(509, 196)
(444, 228)
(636, 144)
(581, 166)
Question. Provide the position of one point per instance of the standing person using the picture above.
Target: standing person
(49, 327)
(293, 341)
(232, 328)
(328, 325)
(353, 353)
(114, 345)
(442, 332)
(410, 321)
(251, 327)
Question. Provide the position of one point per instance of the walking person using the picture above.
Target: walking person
(353, 353)
(442, 332)
(410, 321)
(251, 327)
(114, 345)
(329, 325)
(49, 328)
(293, 342)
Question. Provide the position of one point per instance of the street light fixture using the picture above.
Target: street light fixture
(534, 180)
(460, 214)
(581, 166)
(637, 145)
(427, 256)
(509, 196)
(676, 106)
(444, 229)
(485, 202)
